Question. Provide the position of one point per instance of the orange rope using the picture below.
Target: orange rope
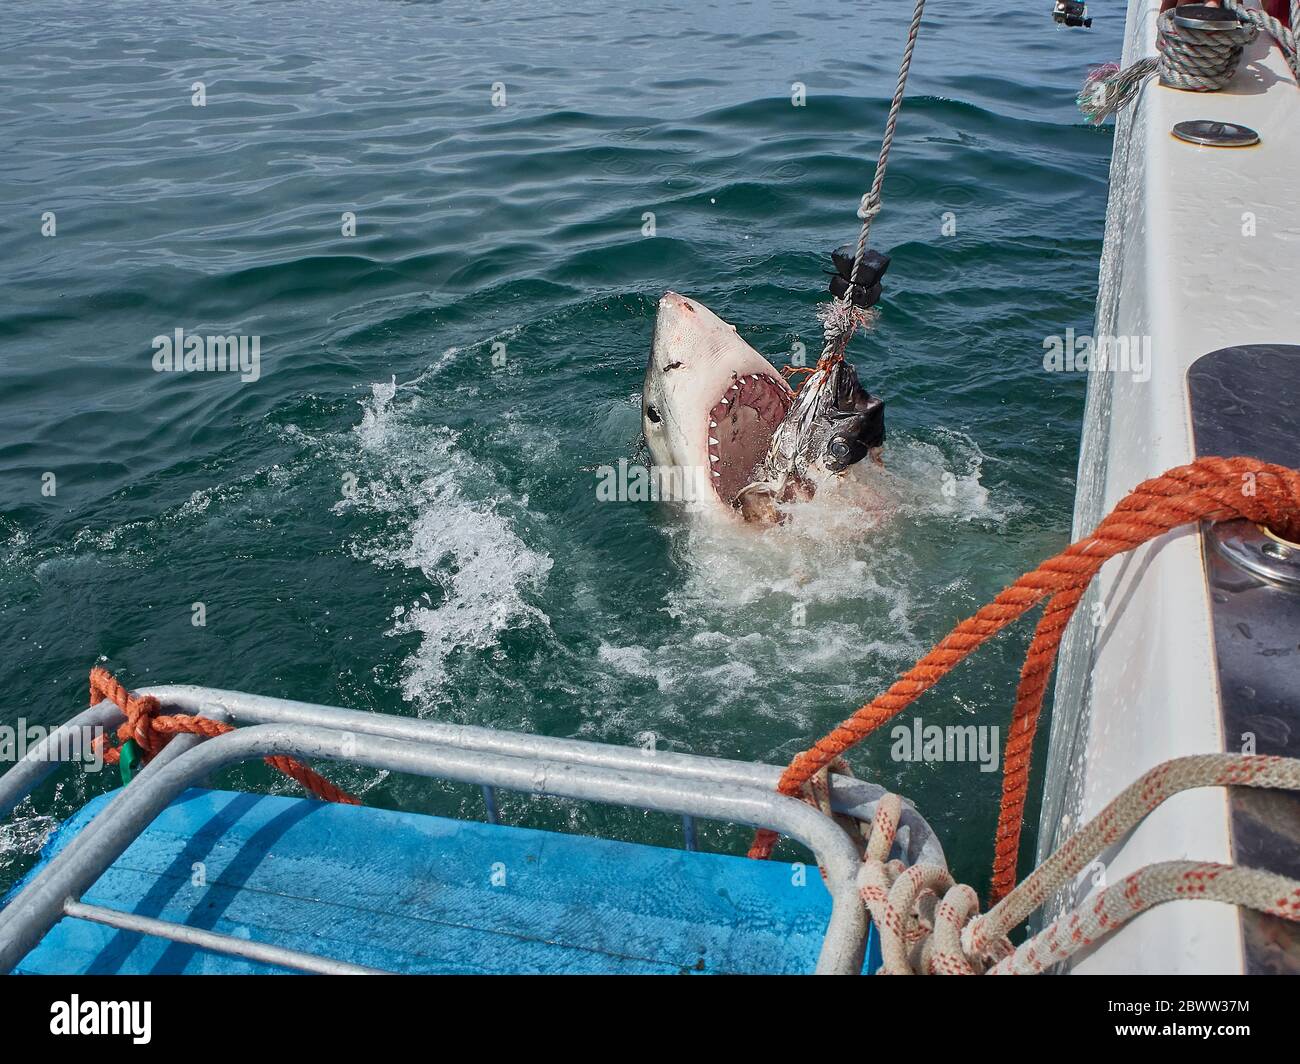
(790, 372)
(152, 732)
(825, 362)
(1209, 489)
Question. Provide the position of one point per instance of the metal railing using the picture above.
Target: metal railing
(687, 785)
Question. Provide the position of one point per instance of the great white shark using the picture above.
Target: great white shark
(711, 406)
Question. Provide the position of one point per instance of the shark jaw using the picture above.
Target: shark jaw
(710, 401)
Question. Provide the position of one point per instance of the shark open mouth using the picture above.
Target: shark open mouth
(741, 424)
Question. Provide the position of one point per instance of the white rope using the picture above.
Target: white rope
(870, 206)
(928, 924)
(1285, 38)
(795, 438)
(841, 318)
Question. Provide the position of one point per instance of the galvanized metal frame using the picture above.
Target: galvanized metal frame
(214, 941)
(685, 784)
(853, 797)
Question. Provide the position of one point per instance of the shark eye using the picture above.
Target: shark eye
(652, 414)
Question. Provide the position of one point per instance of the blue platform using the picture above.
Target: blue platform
(411, 893)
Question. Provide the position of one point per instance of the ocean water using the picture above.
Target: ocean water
(390, 518)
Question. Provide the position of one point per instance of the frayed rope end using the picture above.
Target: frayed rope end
(841, 319)
(1098, 90)
(1108, 88)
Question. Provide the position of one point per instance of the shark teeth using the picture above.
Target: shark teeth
(730, 406)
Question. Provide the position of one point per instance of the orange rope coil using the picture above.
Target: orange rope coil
(152, 732)
(1208, 489)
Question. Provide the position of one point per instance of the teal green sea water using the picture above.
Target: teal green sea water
(389, 520)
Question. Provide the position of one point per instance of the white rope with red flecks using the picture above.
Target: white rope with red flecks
(929, 924)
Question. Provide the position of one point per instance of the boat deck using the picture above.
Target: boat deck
(1199, 271)
(405, 892)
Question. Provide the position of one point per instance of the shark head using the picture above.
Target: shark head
(710, 403)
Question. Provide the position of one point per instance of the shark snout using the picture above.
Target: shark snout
(678, 328)
(675, 303)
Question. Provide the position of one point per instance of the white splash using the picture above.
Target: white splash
(455, 525)
(823, 603)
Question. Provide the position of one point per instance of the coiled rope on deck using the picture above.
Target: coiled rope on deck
(1283, 35)
(152, 731)
(1190, 59)
(1208, 489)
